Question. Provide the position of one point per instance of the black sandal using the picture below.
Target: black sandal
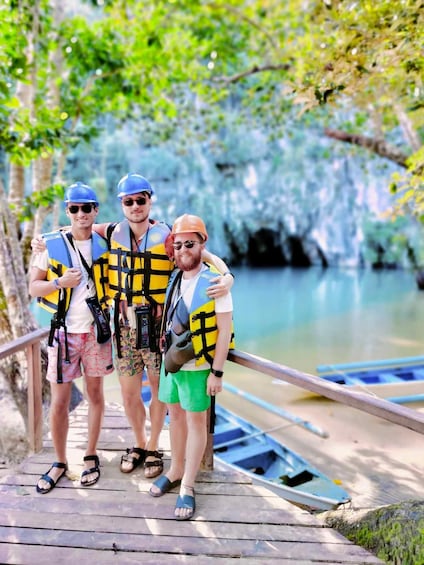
(135, 461)
(95, 469)
(156, 463)
(46, 477)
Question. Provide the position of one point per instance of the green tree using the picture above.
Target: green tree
(59, 74)
(175, 64)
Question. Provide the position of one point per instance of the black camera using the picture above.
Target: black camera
(55, 324)
(143, 326)
(101, 320)
(168, 341)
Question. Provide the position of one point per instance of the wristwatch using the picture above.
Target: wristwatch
(56, 284)
(218, 374)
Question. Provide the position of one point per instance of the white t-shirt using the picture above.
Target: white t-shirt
(78, 318)
(222, 304)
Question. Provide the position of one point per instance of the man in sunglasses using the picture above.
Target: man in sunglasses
(187, 382)
(140, 264)
(70, 279)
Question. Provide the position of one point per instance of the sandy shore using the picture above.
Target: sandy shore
(13, 444)
(377, 462)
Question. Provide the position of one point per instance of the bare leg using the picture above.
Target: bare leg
(59, 424)
(195, 448)
(178, 437)
(96, 406)
(134, 410)
(157, 410)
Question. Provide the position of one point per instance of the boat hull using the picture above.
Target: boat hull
(384, 381)
(241, 446)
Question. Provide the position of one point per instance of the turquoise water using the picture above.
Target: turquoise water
(306, 317)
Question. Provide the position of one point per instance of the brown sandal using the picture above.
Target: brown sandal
(157, 464)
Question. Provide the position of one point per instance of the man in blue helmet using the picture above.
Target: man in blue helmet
(140, 264)
(70, 280)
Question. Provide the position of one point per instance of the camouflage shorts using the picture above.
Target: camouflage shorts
(133, 360)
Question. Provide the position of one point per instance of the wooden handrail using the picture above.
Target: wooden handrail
(31, 343)
(400, 415)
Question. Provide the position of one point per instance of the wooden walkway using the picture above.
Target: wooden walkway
(116, 521)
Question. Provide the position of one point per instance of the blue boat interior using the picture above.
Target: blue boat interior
(252, 453)
(376, 376)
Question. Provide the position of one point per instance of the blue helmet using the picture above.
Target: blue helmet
(80, 192)
(132, 183)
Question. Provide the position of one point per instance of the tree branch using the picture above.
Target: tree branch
(255, 69)
(377, 146)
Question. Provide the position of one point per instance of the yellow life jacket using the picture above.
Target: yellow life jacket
(140, 277)
(60, 261)
(202, 316)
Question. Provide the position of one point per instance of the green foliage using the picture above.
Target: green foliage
(178, 67)
(386, 243)
(40, 199)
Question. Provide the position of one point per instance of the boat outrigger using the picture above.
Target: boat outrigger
(392, 379)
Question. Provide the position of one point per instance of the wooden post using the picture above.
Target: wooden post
(207, 461)
(35, 403)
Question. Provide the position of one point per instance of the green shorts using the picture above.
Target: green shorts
(186, 387)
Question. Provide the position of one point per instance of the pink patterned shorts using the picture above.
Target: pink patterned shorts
(85, 356)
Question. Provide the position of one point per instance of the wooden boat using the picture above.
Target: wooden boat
(386, 378)
(242, 446)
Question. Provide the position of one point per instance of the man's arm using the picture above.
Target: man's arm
(38, 244)
(40, 286)
(224, 324)
(101, 229)
(220, 285)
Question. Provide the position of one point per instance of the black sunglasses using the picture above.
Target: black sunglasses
(189, 244)
(141, 201)
(86, 208)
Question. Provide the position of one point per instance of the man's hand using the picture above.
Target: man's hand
(220, 286)
(38, 245)
(213, 385)
(71, 278)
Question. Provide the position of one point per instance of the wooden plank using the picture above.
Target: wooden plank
(240, 486)
(34, 555)
(220, 547)
(22, 342)
(35, 403)
(271, 532)
(221, 508)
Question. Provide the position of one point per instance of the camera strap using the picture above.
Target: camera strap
(84, 263)
(136, 251)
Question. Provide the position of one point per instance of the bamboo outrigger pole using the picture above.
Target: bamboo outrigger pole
(276, 410)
